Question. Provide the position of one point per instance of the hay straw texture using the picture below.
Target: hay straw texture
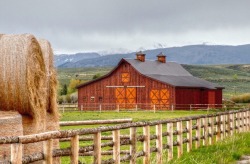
(11, 125)
(22, 75)
(52, 116)
(22, 82)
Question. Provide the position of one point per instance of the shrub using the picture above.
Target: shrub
(245, 98)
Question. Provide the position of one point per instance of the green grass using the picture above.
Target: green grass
(136, 116)
(223, 152)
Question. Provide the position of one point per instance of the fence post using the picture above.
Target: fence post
(170, 140)
(198, 133)
(218, 128)
(228, 125)
(190, 107)
(133, 145)
(146, 144)
(172, 107)
(205, 131)
(248, 120)
(63, 108)
(97, 148)
(136, 107)
(189, 135)
(179, 139)
(211, 130)
(100, 107)
(154, 108)
(223, 126)
(118, 108)
(48, 151)
(74, 143)
(81, 107)
(16, 153)
(236, 123)
(159, 143)
(116, 146)
(244, 121)
(232, 127)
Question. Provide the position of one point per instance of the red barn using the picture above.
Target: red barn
(148, 84)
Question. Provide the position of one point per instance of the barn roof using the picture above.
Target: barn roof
(170, 72)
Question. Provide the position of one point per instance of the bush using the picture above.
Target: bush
(245, 98)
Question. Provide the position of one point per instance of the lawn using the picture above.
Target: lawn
(227, 151)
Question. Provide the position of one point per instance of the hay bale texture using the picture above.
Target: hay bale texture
(11, 125)
(52, 117)
(22, 83)
(22, 76)
(28, 84)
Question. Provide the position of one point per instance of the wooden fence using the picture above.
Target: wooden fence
(189, 131)
(146, 106)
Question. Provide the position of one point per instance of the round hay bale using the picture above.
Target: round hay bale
(22, 80)
(10, 125)
(22, 75)
(52, 116)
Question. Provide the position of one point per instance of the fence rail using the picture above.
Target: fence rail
(145, 106)
(195, 130)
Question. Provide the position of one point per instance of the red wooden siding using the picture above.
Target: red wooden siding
(110, 89)
(126, 87)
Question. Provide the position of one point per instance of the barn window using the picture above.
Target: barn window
(84, 99)
(92, 98)
(125, 77)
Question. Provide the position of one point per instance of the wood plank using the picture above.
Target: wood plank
(211, 130)
(48, 151)
(218, 128)
(16, 153)
(179, 139)
(189, 135)
(94, 122)
(237, 123)
(228, 124)
(74, 143)
(97, 148)
(198, 133)
(146, 144)
(223, 126)
(170, 140)
(205, 131)
(133, 145)
(159, 143)
(232, 124)
(116, 146)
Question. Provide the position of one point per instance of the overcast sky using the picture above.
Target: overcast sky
(103, 25)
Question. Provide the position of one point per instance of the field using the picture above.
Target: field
(226, 151)
(235, 78)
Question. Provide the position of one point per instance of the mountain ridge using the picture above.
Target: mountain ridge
(191, 54)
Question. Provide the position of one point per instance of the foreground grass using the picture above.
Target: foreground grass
(223, 152)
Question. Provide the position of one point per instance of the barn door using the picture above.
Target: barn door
(160, 98)
(164, 98)
(130, 97)
(120, 96)
(125, 97)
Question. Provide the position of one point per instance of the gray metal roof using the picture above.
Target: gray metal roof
(171, 73)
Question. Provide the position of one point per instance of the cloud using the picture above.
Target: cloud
(81, 25)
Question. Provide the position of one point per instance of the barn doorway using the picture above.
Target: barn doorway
(126, 97)
(160, 98)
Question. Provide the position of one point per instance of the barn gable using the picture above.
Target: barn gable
(147, 82)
